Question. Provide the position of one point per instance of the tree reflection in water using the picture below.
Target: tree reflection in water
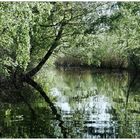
(95, 106)
(84, 104)
(47, 99)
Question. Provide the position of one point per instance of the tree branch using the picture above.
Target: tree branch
(48, 54)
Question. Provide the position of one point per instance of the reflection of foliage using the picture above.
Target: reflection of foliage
(78, 88)
(81, 92)
(20, 123)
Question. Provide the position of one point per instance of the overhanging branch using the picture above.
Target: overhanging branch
(48, 54)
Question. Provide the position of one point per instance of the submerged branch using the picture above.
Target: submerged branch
(47, 99)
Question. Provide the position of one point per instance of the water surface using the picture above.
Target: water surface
(91, 104)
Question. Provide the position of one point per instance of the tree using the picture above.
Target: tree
(35, 27)
(33, 30)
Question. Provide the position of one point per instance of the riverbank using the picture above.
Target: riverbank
(109, 65)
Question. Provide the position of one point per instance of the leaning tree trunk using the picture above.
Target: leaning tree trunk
(48, 54)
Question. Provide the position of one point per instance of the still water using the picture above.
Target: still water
(92, 104)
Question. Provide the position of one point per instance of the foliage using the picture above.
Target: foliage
(92, 31)
(30, 29)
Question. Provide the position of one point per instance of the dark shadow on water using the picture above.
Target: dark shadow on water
(28, 104)
(12, 96)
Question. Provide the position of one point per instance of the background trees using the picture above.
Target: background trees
(111, 36)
